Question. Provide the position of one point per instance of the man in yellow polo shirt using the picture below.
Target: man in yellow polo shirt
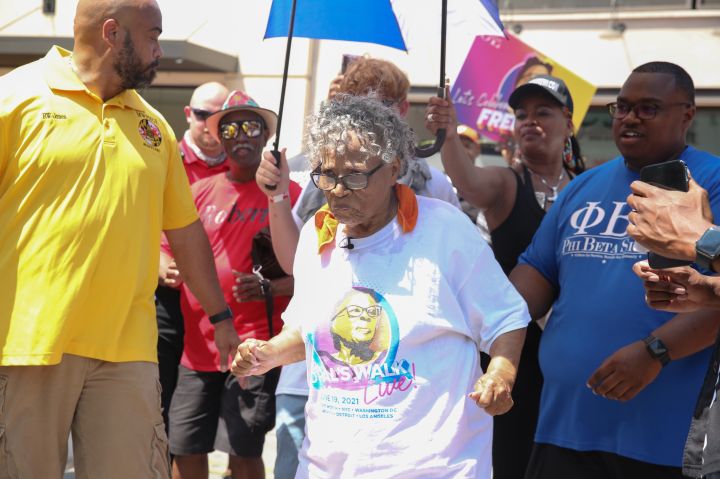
(90, 175)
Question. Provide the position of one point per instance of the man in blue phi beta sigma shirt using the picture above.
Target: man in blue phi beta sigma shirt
(621, 379)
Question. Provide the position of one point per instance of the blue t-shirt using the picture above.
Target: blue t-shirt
(583, 250)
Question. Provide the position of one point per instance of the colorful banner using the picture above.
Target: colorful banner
(493, 68)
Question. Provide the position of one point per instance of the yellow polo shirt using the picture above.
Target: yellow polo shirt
(86, 187)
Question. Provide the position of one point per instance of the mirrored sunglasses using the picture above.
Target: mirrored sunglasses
(251, 128)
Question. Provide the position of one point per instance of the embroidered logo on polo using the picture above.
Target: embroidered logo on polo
(150, 133)
(600, 232)
(354, 361)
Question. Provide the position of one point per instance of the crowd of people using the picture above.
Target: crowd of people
(361, 315)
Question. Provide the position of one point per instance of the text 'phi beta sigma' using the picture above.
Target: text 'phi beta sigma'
(600, 231)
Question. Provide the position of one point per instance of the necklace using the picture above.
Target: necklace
(554, 189)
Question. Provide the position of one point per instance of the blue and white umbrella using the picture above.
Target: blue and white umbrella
(382, 22)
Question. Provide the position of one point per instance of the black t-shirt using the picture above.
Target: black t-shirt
(514, 235)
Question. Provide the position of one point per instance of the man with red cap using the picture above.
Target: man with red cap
(209, 409)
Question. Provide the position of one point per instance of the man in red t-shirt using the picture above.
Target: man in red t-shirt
(202, 156)
(233, 210)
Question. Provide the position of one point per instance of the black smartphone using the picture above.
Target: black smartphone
(347, 59)
(671, 175)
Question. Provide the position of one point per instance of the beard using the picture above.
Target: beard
(133, 74)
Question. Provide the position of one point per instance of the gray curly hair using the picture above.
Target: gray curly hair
(378, 128)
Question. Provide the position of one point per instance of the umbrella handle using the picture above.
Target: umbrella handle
(276, 155)
(428, 151)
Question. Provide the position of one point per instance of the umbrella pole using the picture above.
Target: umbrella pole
(440, 135)
(443, 44)
(276, 150)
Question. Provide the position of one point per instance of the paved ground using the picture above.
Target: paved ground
(218, 461)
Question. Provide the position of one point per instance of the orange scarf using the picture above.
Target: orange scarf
(326, 224)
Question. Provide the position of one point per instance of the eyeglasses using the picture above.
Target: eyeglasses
(373, 311)
(644, 111)
(251, 128)
(201, 114)
(352, 181)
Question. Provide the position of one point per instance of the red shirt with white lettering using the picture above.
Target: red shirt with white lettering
(232, 213)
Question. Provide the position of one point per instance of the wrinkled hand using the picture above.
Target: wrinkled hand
(169, 274)
(440, 113)
(270, 174)
(254, 357)
(227, 341)
(625, 373)
(668, 222)
(492, 393)
(677, 290)
(247, 287)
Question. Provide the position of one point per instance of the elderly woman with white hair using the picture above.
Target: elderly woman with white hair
(394, 296)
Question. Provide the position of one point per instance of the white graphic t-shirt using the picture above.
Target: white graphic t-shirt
(392, 330)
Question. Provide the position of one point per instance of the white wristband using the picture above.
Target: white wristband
(278, 198)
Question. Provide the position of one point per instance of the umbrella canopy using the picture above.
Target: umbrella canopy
(372, 21)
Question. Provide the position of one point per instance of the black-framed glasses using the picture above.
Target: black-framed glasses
(351, 181)
(251, 128)
(644, 111)
(355, 311)
(201, 114)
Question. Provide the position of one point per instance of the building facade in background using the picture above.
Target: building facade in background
(600, 40)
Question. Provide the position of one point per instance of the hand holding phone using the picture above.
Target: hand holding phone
(670, 175)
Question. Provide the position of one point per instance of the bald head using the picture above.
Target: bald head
(117, 43)
(90, 15)
(207, 98)
(212, 92)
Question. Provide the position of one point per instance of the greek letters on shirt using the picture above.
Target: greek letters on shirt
(212, 215)
(600, 231)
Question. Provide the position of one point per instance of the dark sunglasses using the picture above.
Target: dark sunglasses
(251, 128)
(201, 114)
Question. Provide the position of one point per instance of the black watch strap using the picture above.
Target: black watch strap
(657, 349)
(221, 316)
(707, 248)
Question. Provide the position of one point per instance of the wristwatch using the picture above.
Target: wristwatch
(221, 316)
(657, 349)
(707, 248)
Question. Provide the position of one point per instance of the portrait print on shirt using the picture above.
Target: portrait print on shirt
(354, 353)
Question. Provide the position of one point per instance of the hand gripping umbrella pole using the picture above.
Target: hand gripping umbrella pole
(276, 145)
(420, 152)
(425, 152)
